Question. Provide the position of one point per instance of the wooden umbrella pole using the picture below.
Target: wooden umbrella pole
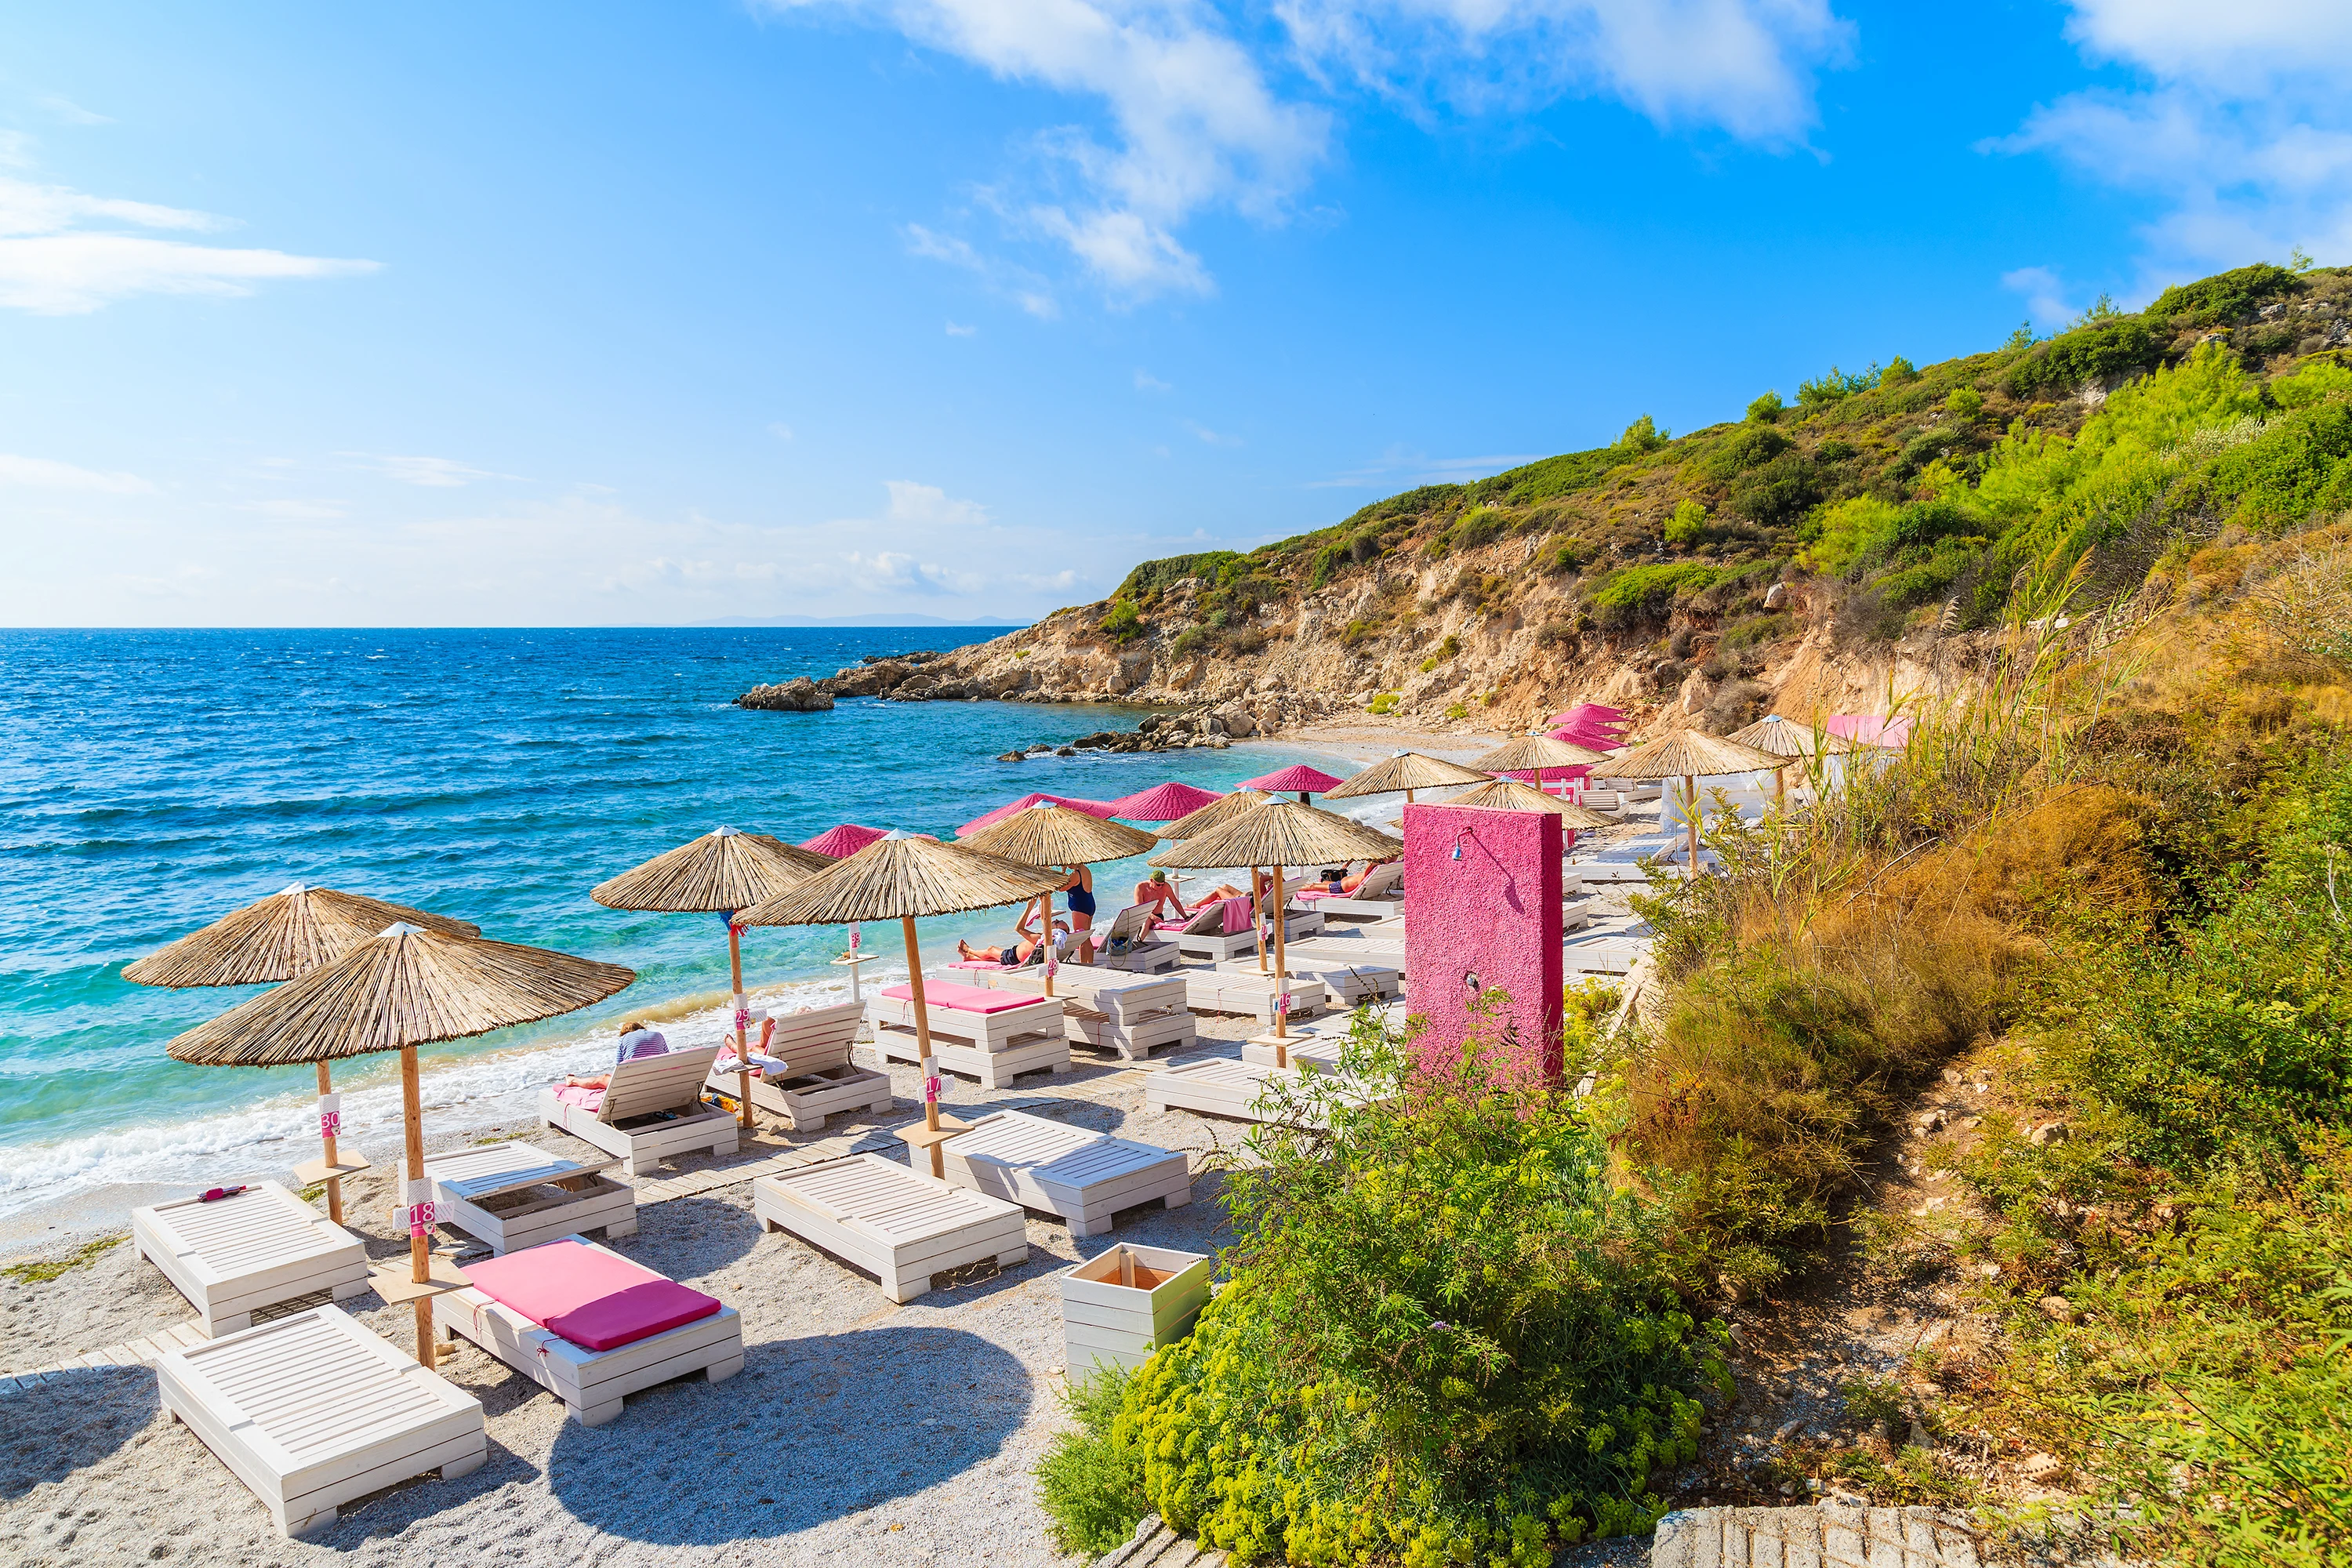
(1281, 980)
(927, 1066)
(1045, 935)
(420, 1267)
(327, 1142)
(1257, 914)
(1690, 785)
(742, 1023)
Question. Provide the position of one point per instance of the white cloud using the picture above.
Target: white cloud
(71, 113)
(1744, 66)
(433, 473)
(957, 330)
(52, 262)
(896, 572)
(1206, 110)
(45, 473)
(931, 506)
(2044, 298)
(781, 431)
(1147, 382)
(2241, 130)
(1213, 438)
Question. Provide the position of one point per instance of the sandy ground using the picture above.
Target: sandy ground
(1365, 739)
(859, 1432)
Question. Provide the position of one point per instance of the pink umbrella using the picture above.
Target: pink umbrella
(1102, 808)
(1297, 779)
(1872, 729)
(1591, 715)
(840, 843)
(1163, 803)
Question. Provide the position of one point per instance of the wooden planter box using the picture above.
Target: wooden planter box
(1120, 1307)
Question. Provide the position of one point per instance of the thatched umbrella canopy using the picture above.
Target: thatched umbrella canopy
(1510, 795)
(403, 989)
(1536, 754)
(1790, 742)
(717, 873)
(1047, 834)
(1403, 772)
(903, 876)
(1278, 834)
(1688, 755)
(1215, 814)
(290, 932)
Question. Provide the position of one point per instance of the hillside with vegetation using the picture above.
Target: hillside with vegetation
(1801, 557)
(2035, 1034)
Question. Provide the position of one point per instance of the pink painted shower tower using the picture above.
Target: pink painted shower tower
(1482, 912)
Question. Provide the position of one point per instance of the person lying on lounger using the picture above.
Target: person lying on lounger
(1156, 895)
(1025, 949)
(636, 1040)
(1348, 885)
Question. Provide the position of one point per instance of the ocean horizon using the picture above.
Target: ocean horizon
(154, 780)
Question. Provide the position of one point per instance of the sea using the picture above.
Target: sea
(152, 782)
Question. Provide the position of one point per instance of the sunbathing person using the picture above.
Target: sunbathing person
(636, 1040)
(1156, 894)
(1350, 884)
(1025, 949)
(1080, 890)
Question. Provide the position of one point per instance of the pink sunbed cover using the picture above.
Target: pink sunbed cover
(963, 998)
(585, 1099)
(598, 1301)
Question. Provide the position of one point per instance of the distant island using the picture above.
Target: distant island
(878, 619)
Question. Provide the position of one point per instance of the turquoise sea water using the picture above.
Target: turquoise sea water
(151, 782)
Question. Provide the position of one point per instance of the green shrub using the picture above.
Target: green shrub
(1446, 1338)
(1091, 1488)
(1627, 598)
(1641, 435)
(1450, 647)
(2225, 297)
(1385, 702)
(1123, 623)
(1458, 711)
(1688, 524)
(1766, 409)
(1899, 371)
(1189, 641)
(1964, 403)
(1751, 446)
(2096, 352)
(1778, 493)
(1153, 576)
(1833, 387)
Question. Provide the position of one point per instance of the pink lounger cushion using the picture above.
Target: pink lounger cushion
(598, 1300)
(585, 1099)
(963, 998)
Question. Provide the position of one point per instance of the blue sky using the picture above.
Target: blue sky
(536, 314)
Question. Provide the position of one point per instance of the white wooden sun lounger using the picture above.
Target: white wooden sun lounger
(257, 1248)
(313, 1411)
(511, 1195)
(1348, 980)
(1148, 952)
(1381, 896)
(898, 1225)
(1250, 994)
(1083, 1176)
(1133, 1015)
(994, 1047)
(591, 1383)
(652, 1111)
(821, 1081)
(1218, 1087)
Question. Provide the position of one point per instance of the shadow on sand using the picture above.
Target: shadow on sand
(69, 1422)
(810, 1430)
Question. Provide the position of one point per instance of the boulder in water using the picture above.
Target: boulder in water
(796, 696)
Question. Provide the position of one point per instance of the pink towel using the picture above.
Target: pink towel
(585, 1099)
(1237, 914)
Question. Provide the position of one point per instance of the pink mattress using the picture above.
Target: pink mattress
(585, 1099)
(963, 998)
(598, 1301)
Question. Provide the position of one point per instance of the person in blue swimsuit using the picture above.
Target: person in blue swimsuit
(1080, 901)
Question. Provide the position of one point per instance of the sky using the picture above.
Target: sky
(600, 313)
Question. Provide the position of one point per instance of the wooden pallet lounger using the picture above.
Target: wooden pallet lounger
(992, 1035)
(1349, 979)
(256, 1248)
(1250, 994)
(1083, 1176)
(313, 1411)
(510, 1195)
(1133, 1015)
(1220, 1087)
(652, 1111)
(819, 1079)
(590, 1381)
(898, 1225)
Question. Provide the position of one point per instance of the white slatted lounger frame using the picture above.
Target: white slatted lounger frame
(1308, 1053)
(1083, 1176)
(823, 1081)
(1139, 1012)
(900, 1226)
(668, 1086)
(988, 1031)
(1347, 982)
(1250, 994)
(591, 1383)
(510, 1195)
(994, 1069)
(313, 1411)
(233, 1255)
(1218, 1087)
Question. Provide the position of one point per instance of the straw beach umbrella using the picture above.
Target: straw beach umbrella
(1687, 754)
(1215, 814)
(1278, 834)
(1536, 754)
(1102, 808)
(720, 872)
(1050, 835)
(290, 932)
(1403, 772)
(400, 989)
(1510, 795)
(902, 877)
(1789, 742)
